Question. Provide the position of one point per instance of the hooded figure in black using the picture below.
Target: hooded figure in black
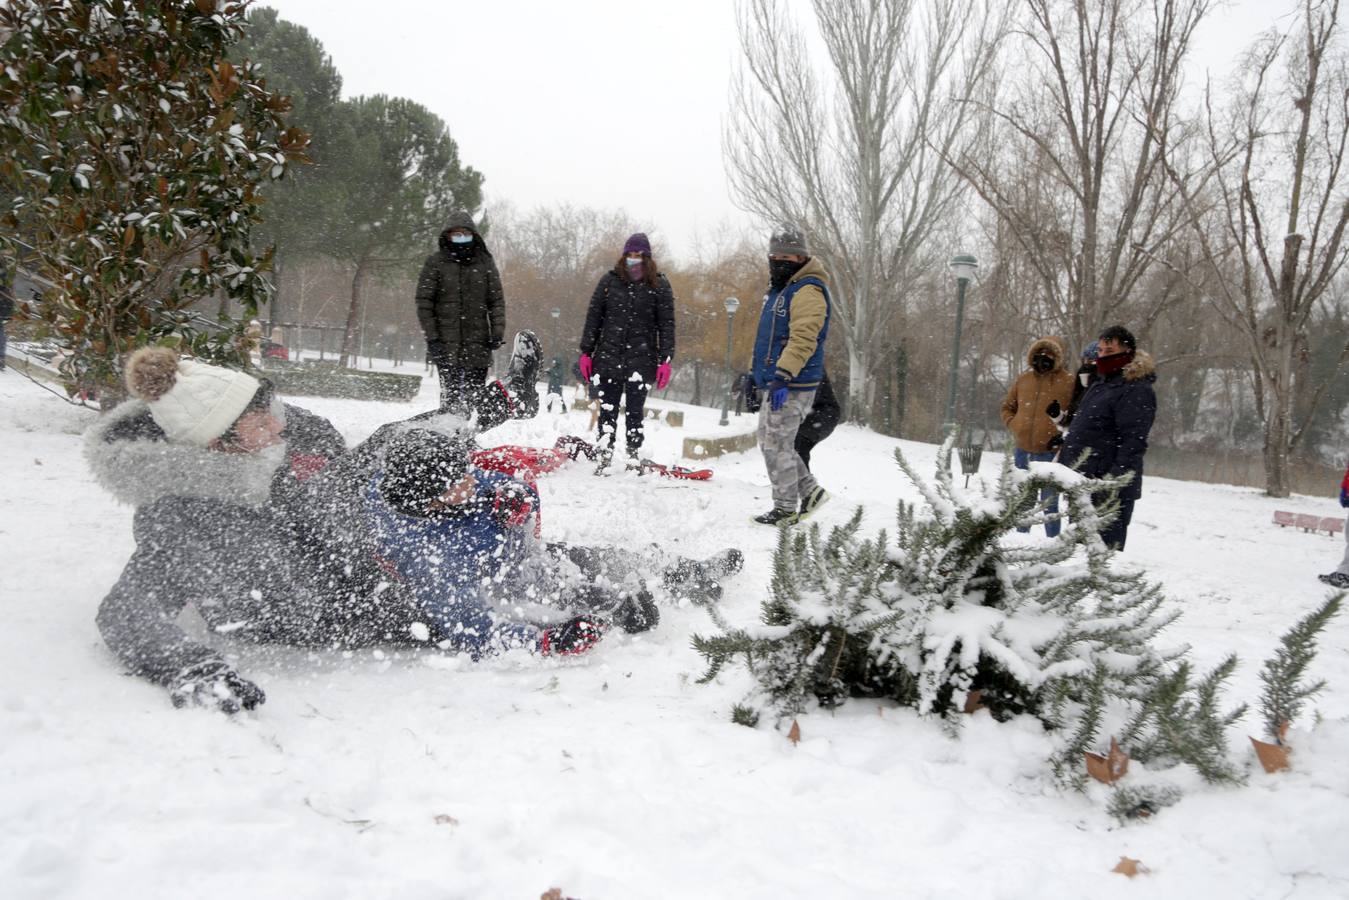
(462, 310)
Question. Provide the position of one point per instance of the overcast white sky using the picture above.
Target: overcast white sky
(599, 103)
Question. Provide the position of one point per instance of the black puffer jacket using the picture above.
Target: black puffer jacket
(1113, 422)
(629, 327)
(460, 304)
(215, 529)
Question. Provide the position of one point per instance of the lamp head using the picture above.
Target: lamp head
(964, 266)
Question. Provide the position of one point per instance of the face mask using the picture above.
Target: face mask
(1041, 363)
(633, 263)
(636, 268)
(780, 271)
(461, 239)
(1085, 378)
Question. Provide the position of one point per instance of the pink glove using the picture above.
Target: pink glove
(587, 366)
(663, 373)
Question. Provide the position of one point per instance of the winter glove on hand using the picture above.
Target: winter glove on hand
(511, 507)
(214, 683)
(495, 344)
(752, 403)
(438, 352)
(663, 373)
(777, 390)
(587, 366)
(571, 638)
(1055, 442)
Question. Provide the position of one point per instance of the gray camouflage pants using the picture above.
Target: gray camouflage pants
(777, 438)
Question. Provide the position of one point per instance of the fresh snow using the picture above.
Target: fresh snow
(410, 775)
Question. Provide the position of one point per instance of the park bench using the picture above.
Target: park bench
(1331, 525)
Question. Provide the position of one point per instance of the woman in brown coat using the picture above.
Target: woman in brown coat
(1024, 412)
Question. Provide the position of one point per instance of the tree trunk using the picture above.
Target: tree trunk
(353, 313)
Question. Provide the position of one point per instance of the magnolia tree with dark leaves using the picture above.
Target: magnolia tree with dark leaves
(132, 153)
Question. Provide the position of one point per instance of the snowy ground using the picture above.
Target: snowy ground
(614, 776)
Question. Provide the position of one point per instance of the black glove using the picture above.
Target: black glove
(214, 683)
(1055, 442)
(571, 638)
(752, 402)
(438, 352)
(495, 344)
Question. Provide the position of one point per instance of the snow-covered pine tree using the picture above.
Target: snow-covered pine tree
(1049, 629)
(130, 158)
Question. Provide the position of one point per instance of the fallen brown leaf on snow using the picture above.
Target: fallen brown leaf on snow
(1109, 768)
(1129, 867)
(442, 819)
(795, 734)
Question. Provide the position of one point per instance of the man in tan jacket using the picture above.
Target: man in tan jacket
(1025, 412)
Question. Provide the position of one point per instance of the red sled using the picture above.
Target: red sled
(571, 446)
(650, 465)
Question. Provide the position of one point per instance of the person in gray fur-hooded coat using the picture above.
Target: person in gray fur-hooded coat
(211, 460)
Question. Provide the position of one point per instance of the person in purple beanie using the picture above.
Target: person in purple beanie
(628, 342)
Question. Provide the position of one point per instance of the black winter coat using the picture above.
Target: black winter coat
(629, 327)
(217, 529)
(461, 304)
(1113, 421)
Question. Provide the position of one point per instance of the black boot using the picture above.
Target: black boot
(699, 581)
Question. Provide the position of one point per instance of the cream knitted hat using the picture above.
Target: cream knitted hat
(194, 403)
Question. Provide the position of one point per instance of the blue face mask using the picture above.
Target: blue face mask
(634, 262)
(461, 239)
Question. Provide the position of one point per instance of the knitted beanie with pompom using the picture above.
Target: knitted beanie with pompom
(194, 403)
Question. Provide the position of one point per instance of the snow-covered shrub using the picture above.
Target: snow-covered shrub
(948, 609)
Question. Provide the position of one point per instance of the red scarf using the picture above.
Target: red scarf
(1109, 365)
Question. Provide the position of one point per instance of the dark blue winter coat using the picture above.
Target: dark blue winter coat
(1113, 422)
(459, 566)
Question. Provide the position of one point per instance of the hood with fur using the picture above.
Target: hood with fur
(130, 458)
(1142, 366)
(1051, 346)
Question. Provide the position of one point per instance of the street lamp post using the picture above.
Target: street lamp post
(732, 304)
(964, 267)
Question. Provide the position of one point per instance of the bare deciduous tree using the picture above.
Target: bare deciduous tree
(1078, 174)
(859, 163)
(1278, 155)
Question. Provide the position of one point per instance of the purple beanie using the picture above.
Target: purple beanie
(637, 243)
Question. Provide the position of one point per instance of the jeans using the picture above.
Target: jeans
(1049, 498)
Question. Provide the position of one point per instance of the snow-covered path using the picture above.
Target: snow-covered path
(613, 776)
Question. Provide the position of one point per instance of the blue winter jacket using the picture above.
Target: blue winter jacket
(458, 566)
(774, 334)
(1113, 421)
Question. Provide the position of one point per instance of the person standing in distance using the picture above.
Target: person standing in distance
(1113, 422)
(788, 366)
(1033, 399)
(628, 342)
(462, 311)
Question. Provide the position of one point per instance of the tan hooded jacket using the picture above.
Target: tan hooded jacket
(1023, 409)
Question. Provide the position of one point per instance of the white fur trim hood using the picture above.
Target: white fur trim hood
(141, 470)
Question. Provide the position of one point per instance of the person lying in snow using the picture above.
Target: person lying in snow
(224, 482)
(461, 541)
